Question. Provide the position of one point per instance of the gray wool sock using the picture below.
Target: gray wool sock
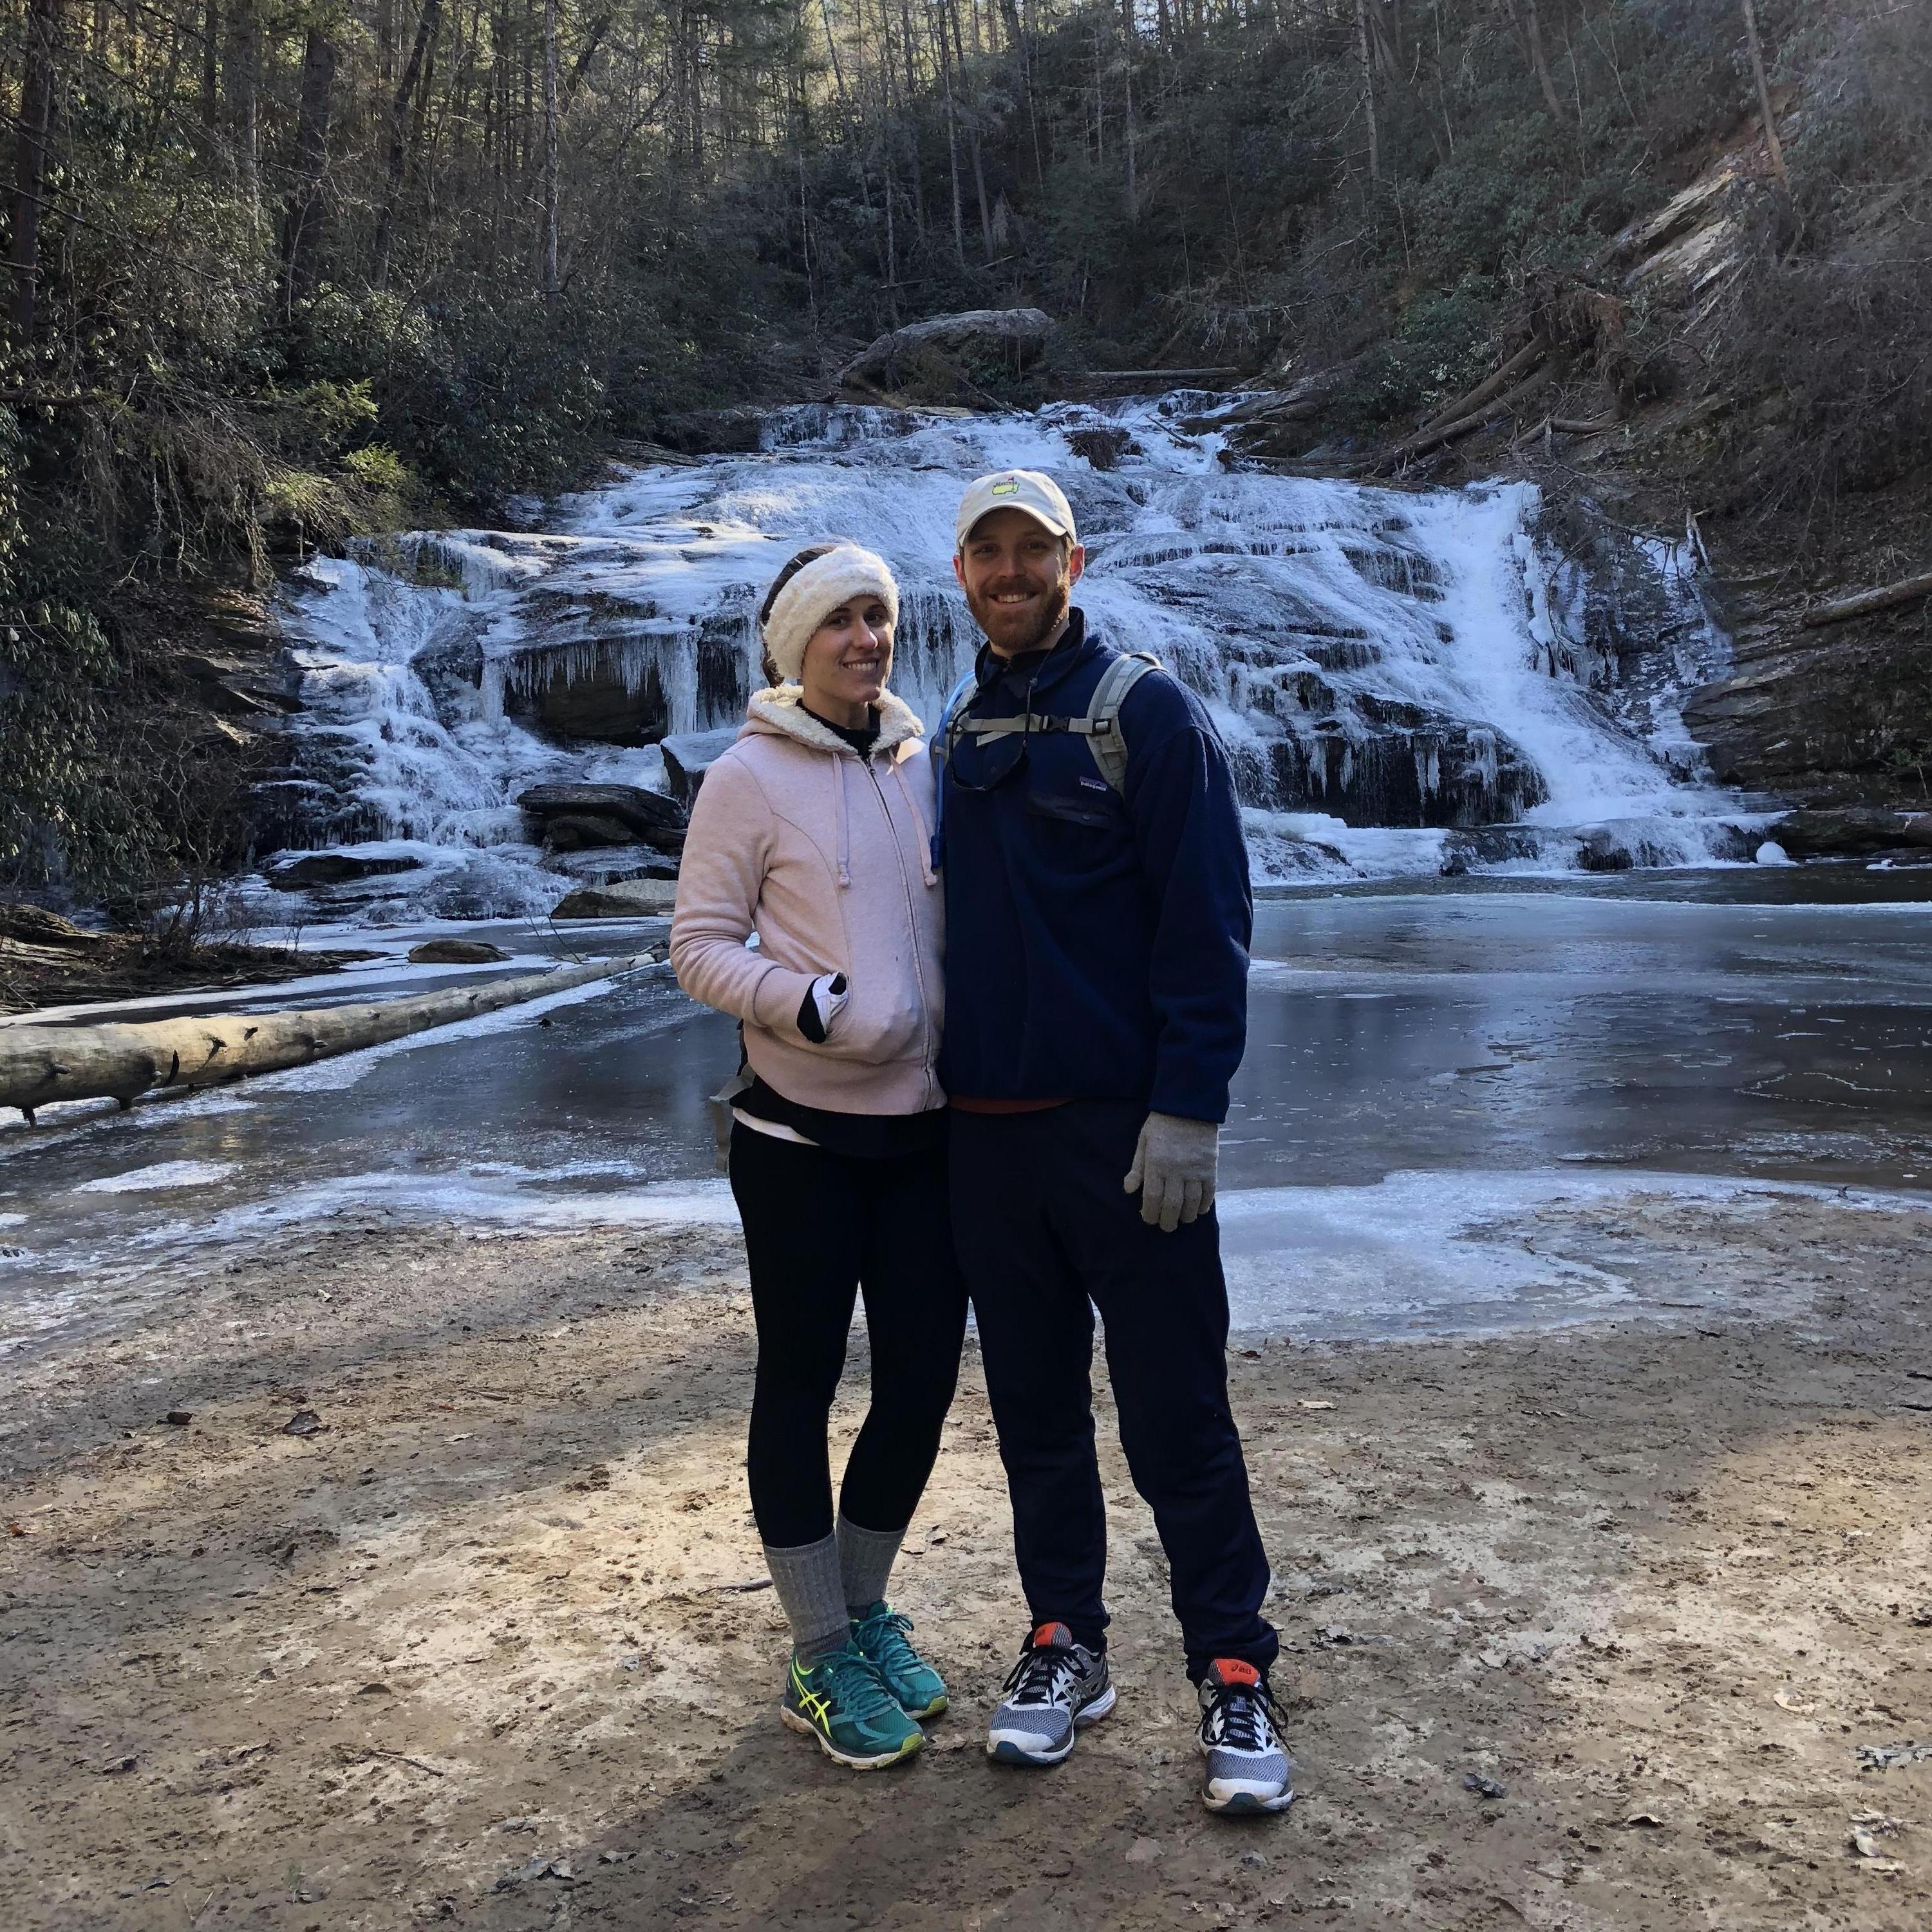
(806, 1578)
(865, 1559)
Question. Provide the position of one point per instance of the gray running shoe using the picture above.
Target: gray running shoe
(1248, 1765)
(1056, 1689)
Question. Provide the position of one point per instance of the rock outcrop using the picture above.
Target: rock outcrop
(946, 357)
(631, 898)
(574, 816)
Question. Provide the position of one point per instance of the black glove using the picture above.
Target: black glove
(822, 998)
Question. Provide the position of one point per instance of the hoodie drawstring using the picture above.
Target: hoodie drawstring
(927, 875)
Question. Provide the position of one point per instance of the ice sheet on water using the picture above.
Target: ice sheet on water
(162, 1174)
(1424, 1252)
(328, 1076)
(1397, 662)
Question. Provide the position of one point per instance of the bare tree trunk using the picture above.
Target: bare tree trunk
(1386, 21)
(30, 157)
(580, 66)
(550, 283)
(1771, 139)
(1368, 85)
(306, 216)
(211, 69)
(399, 143)
(979, 186)
(952, 144)
(242, 66)
(1526, 23)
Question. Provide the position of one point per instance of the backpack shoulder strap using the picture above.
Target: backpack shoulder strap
(1105, 738)
(947, 729)
(944, 733)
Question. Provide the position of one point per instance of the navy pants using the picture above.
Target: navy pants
(1046, 1234)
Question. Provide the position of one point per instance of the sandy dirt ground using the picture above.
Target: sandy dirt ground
(1586, 1629)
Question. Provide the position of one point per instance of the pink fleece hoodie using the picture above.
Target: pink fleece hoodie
(824, 855)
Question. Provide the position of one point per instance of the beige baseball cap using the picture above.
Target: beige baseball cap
(1031, 490)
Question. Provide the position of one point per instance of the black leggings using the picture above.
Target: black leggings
(818, 1227)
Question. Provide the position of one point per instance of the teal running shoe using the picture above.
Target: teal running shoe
(880, 1633)
(843, 1702)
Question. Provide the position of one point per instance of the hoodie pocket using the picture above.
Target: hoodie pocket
(877, 1023)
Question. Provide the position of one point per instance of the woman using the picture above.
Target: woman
(812, 832)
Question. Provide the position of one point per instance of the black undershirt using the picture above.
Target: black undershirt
(856, 1136)
(862, 739)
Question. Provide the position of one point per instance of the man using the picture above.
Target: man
(1098, 917)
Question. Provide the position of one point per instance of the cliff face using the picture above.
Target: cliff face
(1830, 716)
(1646, 391)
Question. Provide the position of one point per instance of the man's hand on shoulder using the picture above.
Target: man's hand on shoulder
(1174, 1169)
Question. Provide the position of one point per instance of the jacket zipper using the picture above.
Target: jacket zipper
(912, 934)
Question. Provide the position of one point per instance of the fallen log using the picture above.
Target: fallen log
(1424, 441)
(1867, 601)
(41, 1064)
(1525, 359)
(1157, 375)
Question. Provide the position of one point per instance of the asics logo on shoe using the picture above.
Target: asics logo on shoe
(809, 1700)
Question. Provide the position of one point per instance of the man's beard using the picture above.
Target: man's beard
(1054, 608)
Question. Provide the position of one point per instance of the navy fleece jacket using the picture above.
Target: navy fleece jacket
(1096, 943)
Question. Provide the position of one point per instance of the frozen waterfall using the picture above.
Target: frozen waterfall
(1408, 680)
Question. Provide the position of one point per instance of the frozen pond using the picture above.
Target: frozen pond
(1418, 1061)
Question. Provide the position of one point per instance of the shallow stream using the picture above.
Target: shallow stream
(1420, 1062)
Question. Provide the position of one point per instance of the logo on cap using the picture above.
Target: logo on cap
(1007, 488)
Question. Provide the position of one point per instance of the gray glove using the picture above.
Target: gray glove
(1174, 1169)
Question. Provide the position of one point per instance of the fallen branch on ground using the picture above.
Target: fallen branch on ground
(1867, 601)
(1424, 441)
(41, 1064)
(1525, 359)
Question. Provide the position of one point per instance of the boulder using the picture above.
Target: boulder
(599, 864)
(575, 831)
(648, 816)
(1602, 851)
(455, 953)
(1469, 846)
(1012, 338)
(332, 868)
(689, 755)
(1851, 832)
(631, 898)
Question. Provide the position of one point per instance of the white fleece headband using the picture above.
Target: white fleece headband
(814, 593)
